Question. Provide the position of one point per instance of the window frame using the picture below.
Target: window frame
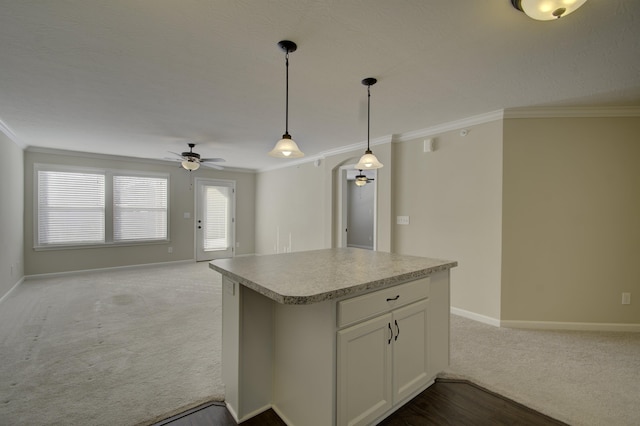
(108, 174)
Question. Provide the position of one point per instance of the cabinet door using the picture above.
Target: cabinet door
(410, 349)
(364, 371)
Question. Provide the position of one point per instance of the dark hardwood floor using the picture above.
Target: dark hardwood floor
(446, 402)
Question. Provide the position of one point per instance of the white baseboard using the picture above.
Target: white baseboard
(11, 289)
(577, 326)
(476, 317)
(546, 325)
(114, 268)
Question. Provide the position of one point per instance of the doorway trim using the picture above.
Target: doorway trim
(343, 206)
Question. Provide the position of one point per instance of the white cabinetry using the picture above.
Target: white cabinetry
(382, 360)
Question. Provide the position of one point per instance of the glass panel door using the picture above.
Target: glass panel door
(215, 204)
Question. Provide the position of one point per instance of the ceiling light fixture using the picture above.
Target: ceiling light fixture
(191, 165)
(361, 179)
(286, 147)
(191, 160)
(547, 10)
(368, 161)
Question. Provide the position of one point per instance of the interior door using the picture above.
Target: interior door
(215, 219)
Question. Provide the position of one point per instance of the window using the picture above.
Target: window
(70, 208)
(139, 208)
(96, 207)
(216, 217)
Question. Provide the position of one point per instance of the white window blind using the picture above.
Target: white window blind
(217, 217)
(139, 208)
(71, 208)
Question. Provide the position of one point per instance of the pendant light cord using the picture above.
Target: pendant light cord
(286, 114)
(368, 114)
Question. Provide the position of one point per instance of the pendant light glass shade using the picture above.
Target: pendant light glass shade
(368, 161)
(547, 10)
(361, 182)
(286, 147)
(192, 166)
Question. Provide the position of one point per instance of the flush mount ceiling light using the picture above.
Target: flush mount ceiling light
(547, 10)
(286, 147)
(368, 161)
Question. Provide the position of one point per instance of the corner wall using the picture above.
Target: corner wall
(453, 197)
(571, 220)
(11, 214)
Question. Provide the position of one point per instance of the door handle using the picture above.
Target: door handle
(397, 330)
(390, 333)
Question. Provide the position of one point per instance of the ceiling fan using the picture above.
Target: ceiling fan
(362, 180)
(191, 160)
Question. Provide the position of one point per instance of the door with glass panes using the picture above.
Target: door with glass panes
(214, 221)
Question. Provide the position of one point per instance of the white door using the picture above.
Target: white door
(364, 371)
(215, 223)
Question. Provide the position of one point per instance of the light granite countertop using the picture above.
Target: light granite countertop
(307, 277)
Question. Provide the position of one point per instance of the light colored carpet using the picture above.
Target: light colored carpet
(104, 348)
(135, 346)
(581, 378)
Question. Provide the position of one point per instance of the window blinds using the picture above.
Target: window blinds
(71, 208)
(99, 207)
(217, 217)
(139, 208)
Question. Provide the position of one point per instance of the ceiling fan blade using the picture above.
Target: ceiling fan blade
(175, 153)
(213, 160)
(212, 166)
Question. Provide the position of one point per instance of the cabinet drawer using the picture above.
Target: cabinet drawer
(368, 305)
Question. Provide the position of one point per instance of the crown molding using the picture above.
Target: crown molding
(572, 112)
(9, 133)
(451, 125)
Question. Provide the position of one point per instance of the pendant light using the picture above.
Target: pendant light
(547, 10)
(368, 161)
(286, 147)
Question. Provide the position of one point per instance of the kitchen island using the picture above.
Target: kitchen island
(331, 337)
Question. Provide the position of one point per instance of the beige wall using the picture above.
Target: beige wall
(302, 200)
(290, 210)
(11, 214)
(453, 197)
(571, 219)
(181, 197)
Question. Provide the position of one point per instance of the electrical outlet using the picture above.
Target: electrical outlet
(170, 250)
(626, 298)
(402, 220)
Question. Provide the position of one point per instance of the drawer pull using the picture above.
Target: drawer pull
(397, 330)
(390, 333)
(389, 299)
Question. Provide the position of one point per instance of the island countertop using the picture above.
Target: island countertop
(307, 277)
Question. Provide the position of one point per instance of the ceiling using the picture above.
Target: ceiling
(140, 78)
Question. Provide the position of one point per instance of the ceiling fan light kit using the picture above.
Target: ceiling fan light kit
(191, 161)
(547, 10)
(190, 165)
(286, 147)
(368, 161)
